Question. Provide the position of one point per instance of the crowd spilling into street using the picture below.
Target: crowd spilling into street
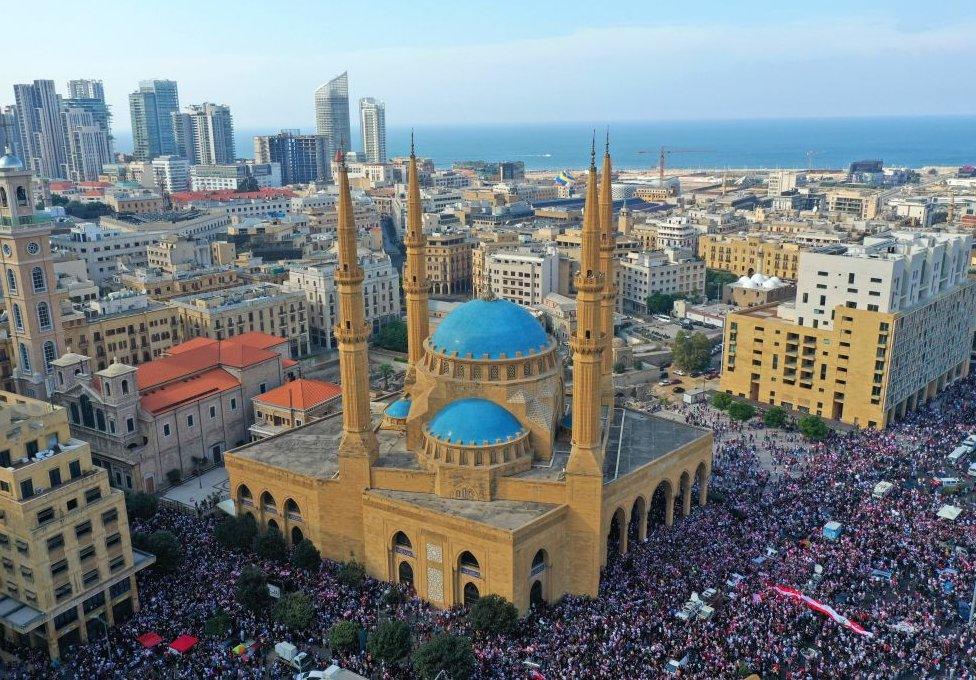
(896, 569)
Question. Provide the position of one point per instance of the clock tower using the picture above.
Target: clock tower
(29, 283)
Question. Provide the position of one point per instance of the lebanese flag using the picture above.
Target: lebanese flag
(536, 675)
(822, 608)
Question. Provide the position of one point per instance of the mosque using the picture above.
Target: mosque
(489, 474)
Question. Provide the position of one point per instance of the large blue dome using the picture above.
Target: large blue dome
(492, 328)
(474, 422)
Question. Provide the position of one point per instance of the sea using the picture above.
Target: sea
(699, 144)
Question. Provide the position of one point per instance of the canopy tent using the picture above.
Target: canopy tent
(183, 644)
(149, 640)
(228, 506)
(949, 512)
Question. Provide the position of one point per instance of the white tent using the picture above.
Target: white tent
(949, 512)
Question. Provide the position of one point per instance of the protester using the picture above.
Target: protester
(772, 493)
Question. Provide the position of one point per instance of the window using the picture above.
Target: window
(93, 495)
(44, 316)
(89, 577)
(54, 474)
(59, 567)
(110, 516)
(27, 488)
(45, 516)
(122, 586)
(63, 592)
(233, 404)
(125, 387)
(37, 278)
(72, 504)
(66, 618)
(166, 429)
(130, 424)
(213, 412)
(83, 529)
(116, 564)
(86, 552)
(18, 318)
(189, 421)
(11, 281)
(94, 602)
(24, 357)
(113, 540)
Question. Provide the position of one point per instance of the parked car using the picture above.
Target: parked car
(678, 390)
(680, 372)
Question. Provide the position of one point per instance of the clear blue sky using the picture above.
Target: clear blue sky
(526, 61)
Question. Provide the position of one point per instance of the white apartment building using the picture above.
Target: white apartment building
(782, 181)
(381, 288)
(888, 273)
(233, 176)
(89, 146)
(372, 118)
(101, 248)
(676, 232)
(669, 271)
(523, 275)
(172, 173)
(204, 134)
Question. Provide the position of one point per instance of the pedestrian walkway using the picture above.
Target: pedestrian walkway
(197, 489)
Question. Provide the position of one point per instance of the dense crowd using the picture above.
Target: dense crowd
(897, 569)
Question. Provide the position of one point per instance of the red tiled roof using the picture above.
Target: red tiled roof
(259, 340)
(300, 394)
(60, 186)
(175, 394)
(200, 354)
(288, 363)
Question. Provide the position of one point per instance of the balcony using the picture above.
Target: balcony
(59, 448)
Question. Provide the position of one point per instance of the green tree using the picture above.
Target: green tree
(174, 476)
(352, 574)
(452, 654)
(660, 303)
(236, 534)
(306, 556)
(813, 427)
(166, 547)
(271, 545)
(619, 367)
(741, 410)
(344, 636)
(295, 610)
(393, 336)
(493, 614)
(715, 279)
(252, 589)
(386, 372)
(775, 416)
(691, 352)
(88, 211)
(218, 625)
(248, 184)
(722, 401)
(390, 642)
(139, 505)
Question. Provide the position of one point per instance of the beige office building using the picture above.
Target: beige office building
(748, 255)
(68, 563)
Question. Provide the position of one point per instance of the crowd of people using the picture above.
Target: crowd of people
(897, 569)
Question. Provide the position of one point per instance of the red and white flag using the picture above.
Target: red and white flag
(825, 609)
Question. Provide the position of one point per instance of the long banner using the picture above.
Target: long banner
(820, 607)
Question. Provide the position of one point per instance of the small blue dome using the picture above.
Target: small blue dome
(474, 422)
(398, 409)
(10, 162)
(492, 328)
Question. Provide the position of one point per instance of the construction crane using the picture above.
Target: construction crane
(663, 154)
(810, 155)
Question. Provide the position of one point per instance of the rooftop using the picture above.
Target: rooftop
(301, 394)
(636, 439)
(481, 328)
(497, 514)
(174, 394)
(200, 354)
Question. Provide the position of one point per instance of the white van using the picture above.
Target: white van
(957, 454)
(972, 470)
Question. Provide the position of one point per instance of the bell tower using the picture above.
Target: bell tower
(29, 282)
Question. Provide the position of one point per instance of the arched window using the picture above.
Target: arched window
(44, 316)
(18, 318)
(24, 358)
(11, 281)
(244, 494)
(467, 561)
(21, 196)
(37, 278)
(402, 544)
(539, 562)
(291, 507)
(268, 502)
(108, 389)
(125, 387)
(3, 197)
(50, 354)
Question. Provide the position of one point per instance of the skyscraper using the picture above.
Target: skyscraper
(204, 134)
(88, 144)
(372, 120)
(151, 107)
(10, 131)
(89, 95)
(303, 158)
(42, 134)
(86, 89)
(332, 112)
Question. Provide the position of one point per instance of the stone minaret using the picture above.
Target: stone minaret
(625, 224)
(351, 332)
(415, 283)
(608, 247)
(584, 470)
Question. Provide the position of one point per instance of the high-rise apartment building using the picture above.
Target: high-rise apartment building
(89, 147)
(65, 542)
(172, 173)
(151, 108)
(204, 134)
(10, 131)
(303, 158)
(332, 112)
(29, 282)
(372, 122)
(876, 331)
(42, 134)
(86, 89)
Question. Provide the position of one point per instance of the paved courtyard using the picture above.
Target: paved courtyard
(195, 490)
